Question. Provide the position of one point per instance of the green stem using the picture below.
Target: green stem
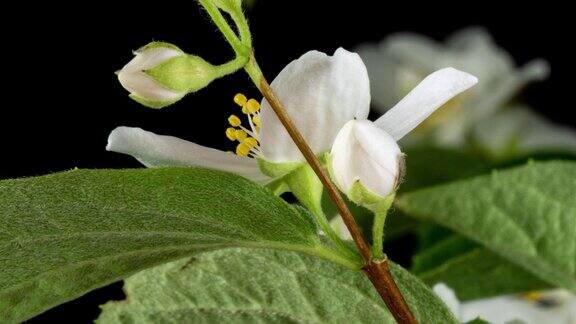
(254, 72)
(243, 29)
(332, 235)
(222, 24)
(378, 235)
(231, 66)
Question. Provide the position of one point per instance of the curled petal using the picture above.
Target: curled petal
(434, 91)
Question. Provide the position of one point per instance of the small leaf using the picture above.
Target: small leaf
(258, 286)
(526, 215)
(65, 234)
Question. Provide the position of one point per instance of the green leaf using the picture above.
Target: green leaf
(525, 214)
(472, 271)
(65, 234)
(427, 166)
(257, 286)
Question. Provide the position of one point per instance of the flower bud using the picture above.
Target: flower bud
(367, 164)
(161, 74)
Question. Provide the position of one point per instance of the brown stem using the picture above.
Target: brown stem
(378, 273)
(381, 277)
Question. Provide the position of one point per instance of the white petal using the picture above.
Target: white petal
(321, 93)
(164, 151)
(448, 297)
(503, 309)
(363, 152)
(434, 91)
(139, 83)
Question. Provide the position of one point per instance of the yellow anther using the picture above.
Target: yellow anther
(240, 135)
(234, 120)
(240, 99)
(231, 133)
(245, 110)
(533, 296)
(242, 149)
(250, 141)
(256, 120)
(252, 106)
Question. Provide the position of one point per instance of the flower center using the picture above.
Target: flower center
(247, 138)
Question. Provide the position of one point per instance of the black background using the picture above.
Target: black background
(62, 98)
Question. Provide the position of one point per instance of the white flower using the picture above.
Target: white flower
(401, 61)
(556, 306)
(142, 86)
(321, 93)
(367, 153)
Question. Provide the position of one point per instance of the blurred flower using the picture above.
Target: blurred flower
(401, 61)
(555, 306)
(525, 132)
(321, 93)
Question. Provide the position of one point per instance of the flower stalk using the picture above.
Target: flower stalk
(377, 271)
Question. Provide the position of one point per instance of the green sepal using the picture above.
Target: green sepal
(186, 73)
(278, 186)
(277, 170)
(152, 103)
(369, 200)
(153, 45)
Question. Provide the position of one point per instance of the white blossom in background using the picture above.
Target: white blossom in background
(524, 131)
(402, 60)
(548, 307)
(322, 94)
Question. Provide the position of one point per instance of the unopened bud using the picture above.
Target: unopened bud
(161, 74)
(367, 164)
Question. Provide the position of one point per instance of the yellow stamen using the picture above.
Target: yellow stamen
(256, 120)
(242, 149)
(533, 296)
(240, 99)
(251, 142)
(231, 133)
(240, 135)
(234, 120)
(252, 106)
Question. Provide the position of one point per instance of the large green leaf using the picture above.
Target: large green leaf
(426, 166)
(525, 214)
(249, 286)
(65, 234)
(473, 272)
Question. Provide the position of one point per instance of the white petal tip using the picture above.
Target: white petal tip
(117, 138)
(463, 79)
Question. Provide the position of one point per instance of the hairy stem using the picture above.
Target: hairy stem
(224, 27)
(378, 236)
(378, 272)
